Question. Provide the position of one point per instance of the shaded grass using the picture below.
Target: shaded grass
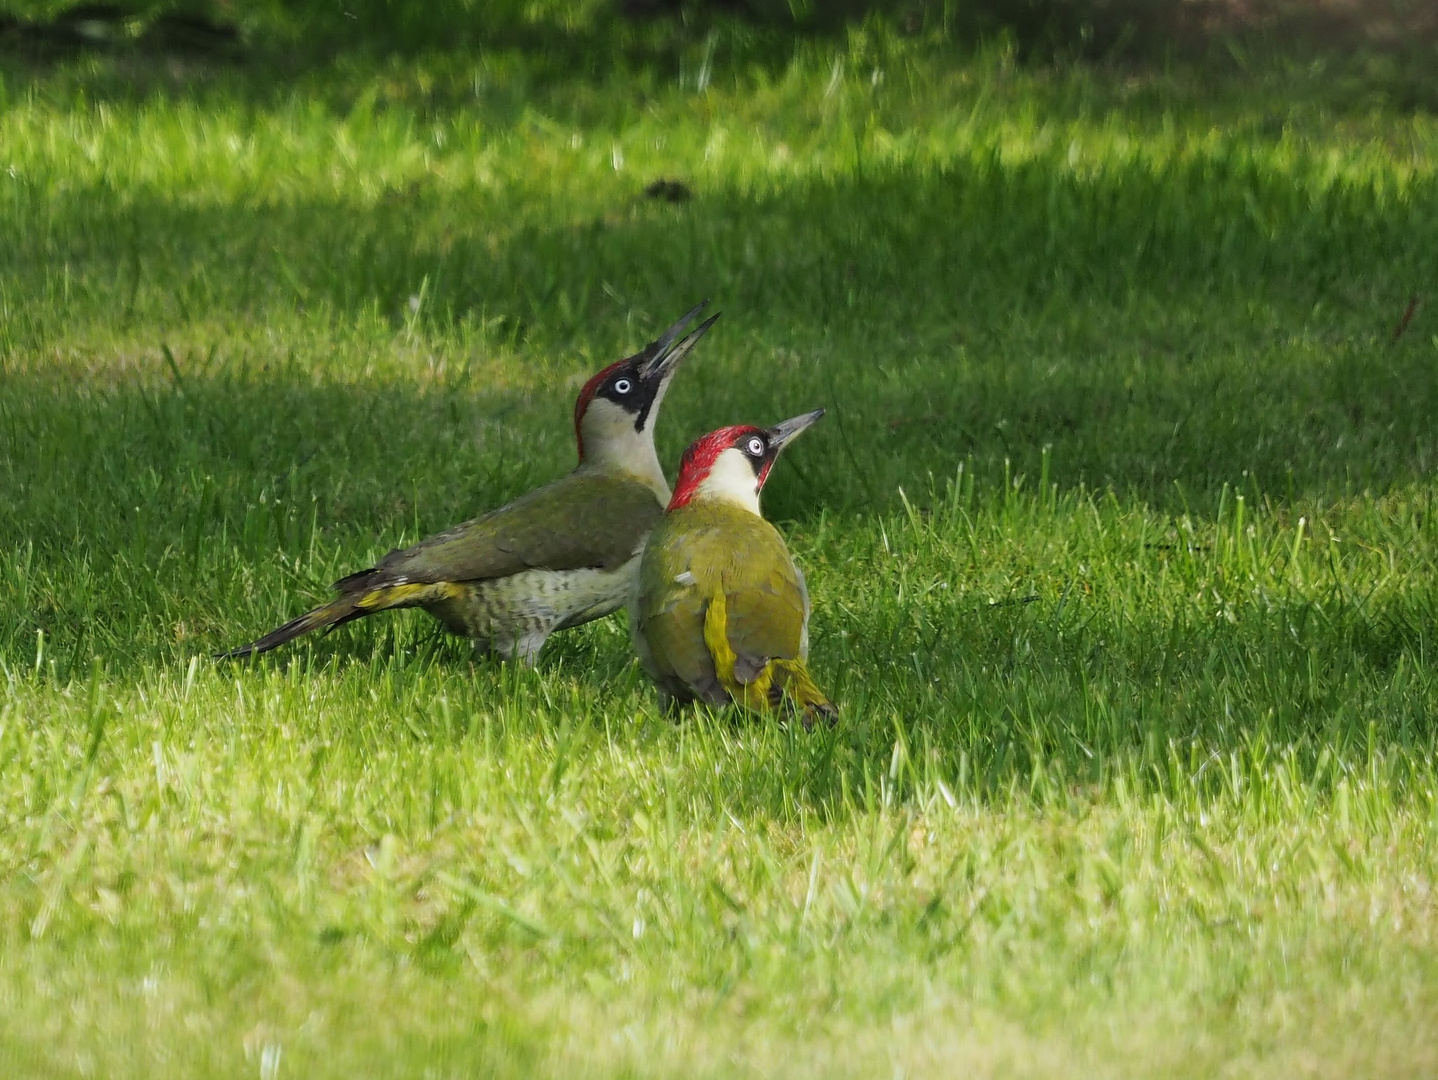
(1120, 537)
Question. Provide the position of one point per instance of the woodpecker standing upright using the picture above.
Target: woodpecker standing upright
(720, 612)
(562, 555)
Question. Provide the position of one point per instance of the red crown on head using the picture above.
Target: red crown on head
(700, 456)
(586, 395)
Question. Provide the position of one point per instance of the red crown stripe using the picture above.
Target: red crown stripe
(699, 458)
(586, 395)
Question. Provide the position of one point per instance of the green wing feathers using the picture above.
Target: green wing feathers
(586, 520)
(762, 684)
(581, 521)
(722, 613)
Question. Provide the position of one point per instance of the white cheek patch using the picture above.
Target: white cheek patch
(685, 578)
(609, 435)
(606, 419)
(732, 479)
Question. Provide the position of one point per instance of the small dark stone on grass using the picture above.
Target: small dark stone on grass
(670, 191)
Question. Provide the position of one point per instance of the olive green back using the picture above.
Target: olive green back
(584, 520)
(723, 548)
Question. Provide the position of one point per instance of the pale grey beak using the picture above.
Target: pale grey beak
(662, 356)
(782, 433)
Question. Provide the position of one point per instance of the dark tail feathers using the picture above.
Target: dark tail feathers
(360, 595)
(338, 611)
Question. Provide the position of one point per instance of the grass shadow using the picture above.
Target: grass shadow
(1146, 329)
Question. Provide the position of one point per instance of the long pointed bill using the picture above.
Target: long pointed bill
(784, 432)
(665, 354)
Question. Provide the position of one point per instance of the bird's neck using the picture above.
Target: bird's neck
(635, 457)
(730, 481)
(609, 442)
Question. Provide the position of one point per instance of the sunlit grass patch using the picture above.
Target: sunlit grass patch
(1119, 535)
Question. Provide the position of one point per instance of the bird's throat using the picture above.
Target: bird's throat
(730, 480)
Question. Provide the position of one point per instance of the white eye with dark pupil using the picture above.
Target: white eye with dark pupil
(622, 386)
(756, 447)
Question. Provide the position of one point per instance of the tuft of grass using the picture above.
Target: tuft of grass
(1120, 536)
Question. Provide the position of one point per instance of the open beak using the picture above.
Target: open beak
(782, 433)
(663, 356)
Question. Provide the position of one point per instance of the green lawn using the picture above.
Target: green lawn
(1120, 534)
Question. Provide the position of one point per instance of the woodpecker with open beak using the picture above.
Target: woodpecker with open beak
(720, 612)
(560, 556)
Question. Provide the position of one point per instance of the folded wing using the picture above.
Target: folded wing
(574, 523)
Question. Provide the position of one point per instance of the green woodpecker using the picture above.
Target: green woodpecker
(562, 555)
(720, 613)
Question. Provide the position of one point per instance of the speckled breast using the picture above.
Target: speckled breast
(534, 603)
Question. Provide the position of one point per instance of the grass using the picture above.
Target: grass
(1120, 535)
